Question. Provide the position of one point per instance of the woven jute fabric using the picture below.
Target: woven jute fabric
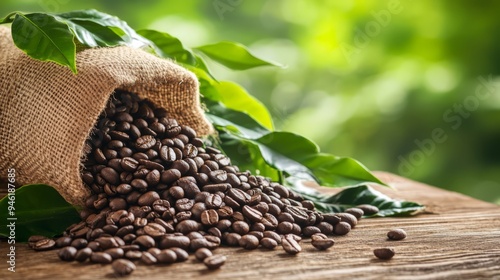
(47, 112)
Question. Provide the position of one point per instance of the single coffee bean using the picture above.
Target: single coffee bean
(110, 175)
(67, 253)
(123, 267)
(325, 227)
(241, 227)
(233, 239)
(357, 212)
(331, 218)
(252, 214)
(396, 234)
(181, 254)
(133, 254)
(202, 253)
(272, 235)
(83, 254)
(107, 242)
(310, 230)
(342, 228)
(100, 257)
(144, 241)
(148, 198)
(322, 243)
(79, 243)
(154, 230)
(63, 241)
(215, 261)
(175, 241)
(187, 226)
(290, 245)
(148, 258)
(384, 253)
(268, 243)
(368, 209)
(44, 244)
(209, 217)
(166, 256)
(145, 142)
(249, 242)
(115, 253)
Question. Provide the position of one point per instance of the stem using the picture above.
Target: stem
(9, 18)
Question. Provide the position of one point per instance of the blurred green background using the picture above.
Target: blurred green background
(410, 87)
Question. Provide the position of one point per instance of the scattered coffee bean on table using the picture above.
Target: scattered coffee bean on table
(159, 193)
(396, 234)
(384, 253)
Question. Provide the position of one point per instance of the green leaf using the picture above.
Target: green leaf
(235, 97)
(168, 46)
(92, 35)
(335, 171)
(45, 38)
(8, 18)
(39, 209)
(128, 35)
(232, 55)
(363, 194)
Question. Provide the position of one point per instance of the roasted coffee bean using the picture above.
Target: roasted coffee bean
(187, 226)
(176, 192)
(384, 253)
(123, 267)
(331, 218)
(268, 243)
(83, 254)
(233, 239)
(310, 230)
(133, 254)
(321, 242)
(239, 196)
(67, 253)
(209, 217)
(396, 234)
(144, 241)
(107, 242)
(79, 243)
(181, 254)
(154, 230)
(175, 241)
(290, 245)
(184, 204)
(368, 209)
(202, 253)
(100, 257)
(166, 256)
(115, 253)
(252, 214)
(348, 218)
(325, 227)
(285, 227)
(342, 228)
(356, 212)
(215, 261)
(270, 222)
(214, 201)
(63, 241)
(145, 142)
(44, 244)
(148, 198)
(225, 212)
(240, 227)
(148, 258)
(139, 184)
(249, 242)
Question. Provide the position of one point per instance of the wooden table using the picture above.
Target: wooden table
(457, 237)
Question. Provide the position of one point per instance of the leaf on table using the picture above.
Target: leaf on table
(45, 38)
(39, 209)
(233, 55)
(362, 194)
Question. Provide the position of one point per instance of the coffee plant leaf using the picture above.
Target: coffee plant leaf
(45, 38)
(362, 194)
(233, 55)
(38, 209)
(169, 46)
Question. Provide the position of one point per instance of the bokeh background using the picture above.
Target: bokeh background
(410, 87)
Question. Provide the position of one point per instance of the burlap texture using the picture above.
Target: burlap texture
(47, 112)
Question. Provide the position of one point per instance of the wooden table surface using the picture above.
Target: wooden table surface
(456, 238)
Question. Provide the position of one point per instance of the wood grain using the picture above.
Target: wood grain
(457, 237)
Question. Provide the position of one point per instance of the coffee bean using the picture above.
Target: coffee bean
(62, 241)
(331, 218)
(348, 218)
(209, 217)
(123, 267)
(67, 253)
(215, 261)
(202, 253)
(384, 253)
(233, 239)
(145, 142)
(268, 243)
(83, 254)
(368, 209)
(148, 258)
(170, 175)
(396, 234)
(154, 230)
(148, 198)
(357, 212)
(342, 228)
(107, 242)
(310, 230)
(290, 245)
(322, 243)
(241, 227)
(166, 256)
(144, 241)
(44, 244)
(115, 253)
(214, 201)
(175, 241)
(133, 254)
(100, 257)
(181, 254)
(249, 242)
(252, 214)
(79, 243)
(187, 226)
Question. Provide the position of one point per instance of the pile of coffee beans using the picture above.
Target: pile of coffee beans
(160, 194)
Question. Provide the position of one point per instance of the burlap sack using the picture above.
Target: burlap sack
(47, 112)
